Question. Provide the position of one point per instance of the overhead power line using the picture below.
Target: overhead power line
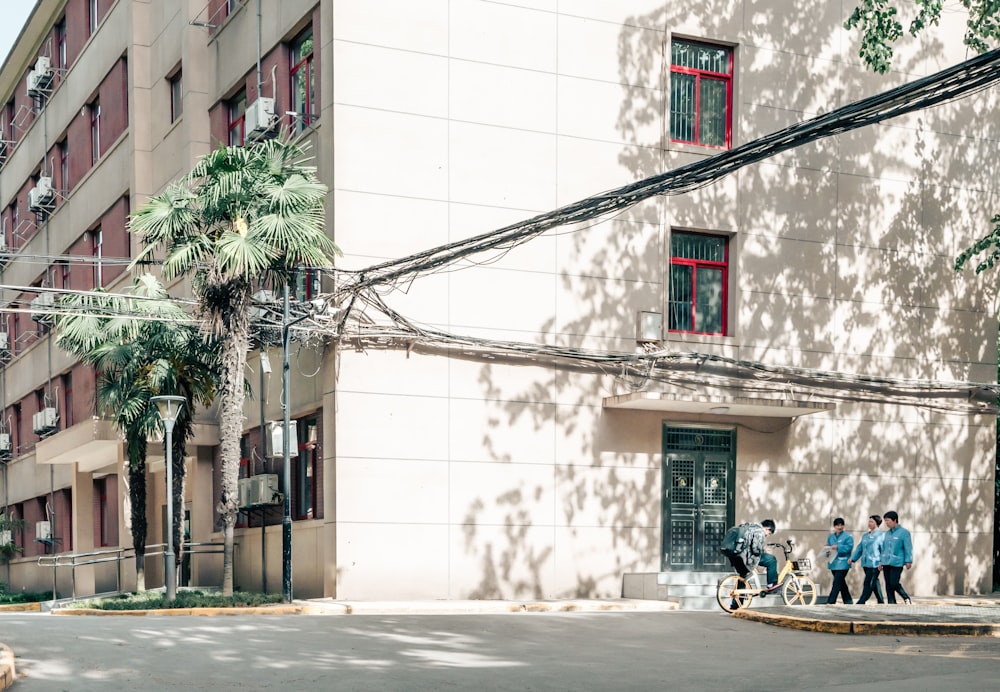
(952, 83)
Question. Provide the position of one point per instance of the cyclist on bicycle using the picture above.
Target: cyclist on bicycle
(744, 545)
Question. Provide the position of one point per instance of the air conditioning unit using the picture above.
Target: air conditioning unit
(243, 486)
(264, 490)
(262, 297)
(45, 421)
(273, 442)
(41, 306)
(259, 120)
(5, 445)
(40, 78)
(42, 196)
(6, 537)
(43, 531)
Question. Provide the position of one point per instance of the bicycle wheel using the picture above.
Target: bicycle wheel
(733, 593)
(798, 591)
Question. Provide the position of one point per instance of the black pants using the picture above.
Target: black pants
(839, 587)
(871, 586)
(892, 585)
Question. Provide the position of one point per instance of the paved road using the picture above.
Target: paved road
(528, 651)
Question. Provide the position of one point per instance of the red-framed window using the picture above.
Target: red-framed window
(699, 280)
(15, 328)
(701, 93)
(246, 469)
(102, 524)
(237, 108)
(11, 129)
(15, 221)
(67, 401)
(92, 17)
(97, 252)
(95, 130)
(18, 429)
(63, 148)
(306, 470)
(60, 36)
(307, 284)
(176, 97)
(303, 80)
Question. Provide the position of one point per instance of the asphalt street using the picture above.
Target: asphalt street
(678, 650)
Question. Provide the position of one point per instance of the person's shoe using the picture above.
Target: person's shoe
(733, 605)
(907, 601)
(772, 587)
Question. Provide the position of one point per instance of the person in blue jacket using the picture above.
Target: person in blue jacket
(897, 553)
(841, 545)
(869, 553)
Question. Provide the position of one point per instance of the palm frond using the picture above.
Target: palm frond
(243, 255)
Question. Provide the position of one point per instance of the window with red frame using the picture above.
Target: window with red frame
(304, 497)
(243, 517)
(63, 148)
(97, 252)
(307, 284)
(701, 93)
(102, 527)
(10, 130)
(67, 401)
(303, 80)
(92, 17)
(699, 274)
(237, 108)
(60, 31)
(95, 130)
(176, 97)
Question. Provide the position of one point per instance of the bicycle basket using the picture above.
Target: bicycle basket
(801, 565)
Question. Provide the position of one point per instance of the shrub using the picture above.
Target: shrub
(154, 600)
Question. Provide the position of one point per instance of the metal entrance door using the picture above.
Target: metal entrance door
(698, 497)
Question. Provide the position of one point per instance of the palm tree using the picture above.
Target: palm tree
(243, 217)
(141, 345)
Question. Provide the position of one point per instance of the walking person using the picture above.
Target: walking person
(840, 544)
(869, 553)
(897, 553)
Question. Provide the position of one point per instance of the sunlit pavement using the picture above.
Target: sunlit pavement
(974, 616)
(933, 616)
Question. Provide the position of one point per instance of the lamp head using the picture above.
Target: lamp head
(168, 406)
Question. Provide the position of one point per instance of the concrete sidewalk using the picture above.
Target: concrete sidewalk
(932, 616)
(975, 616)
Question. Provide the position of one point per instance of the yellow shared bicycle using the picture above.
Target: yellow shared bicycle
(796, 588)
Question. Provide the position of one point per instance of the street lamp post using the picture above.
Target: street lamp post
(286, 518)
(169, 407)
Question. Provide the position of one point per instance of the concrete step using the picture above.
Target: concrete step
(690, 590)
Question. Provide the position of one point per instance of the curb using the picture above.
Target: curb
(926, 629)
(21, 608)
(165, 612)
(7, 672)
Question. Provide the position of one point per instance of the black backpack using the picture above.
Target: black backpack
(734, 541)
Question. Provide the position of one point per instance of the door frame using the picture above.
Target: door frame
(706, 535)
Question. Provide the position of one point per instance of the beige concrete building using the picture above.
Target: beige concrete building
(533, 419)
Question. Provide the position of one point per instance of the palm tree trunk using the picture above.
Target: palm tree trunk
(232, 394)
(137, 496)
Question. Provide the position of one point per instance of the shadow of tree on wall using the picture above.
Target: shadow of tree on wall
(875, 296)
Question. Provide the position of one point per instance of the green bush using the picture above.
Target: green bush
(7, 598)
(155, 600)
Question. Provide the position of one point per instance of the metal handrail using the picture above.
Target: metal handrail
(72, 560)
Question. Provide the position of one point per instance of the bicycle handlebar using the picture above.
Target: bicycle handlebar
(787, 551)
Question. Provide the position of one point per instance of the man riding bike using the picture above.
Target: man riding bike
(745, 548)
